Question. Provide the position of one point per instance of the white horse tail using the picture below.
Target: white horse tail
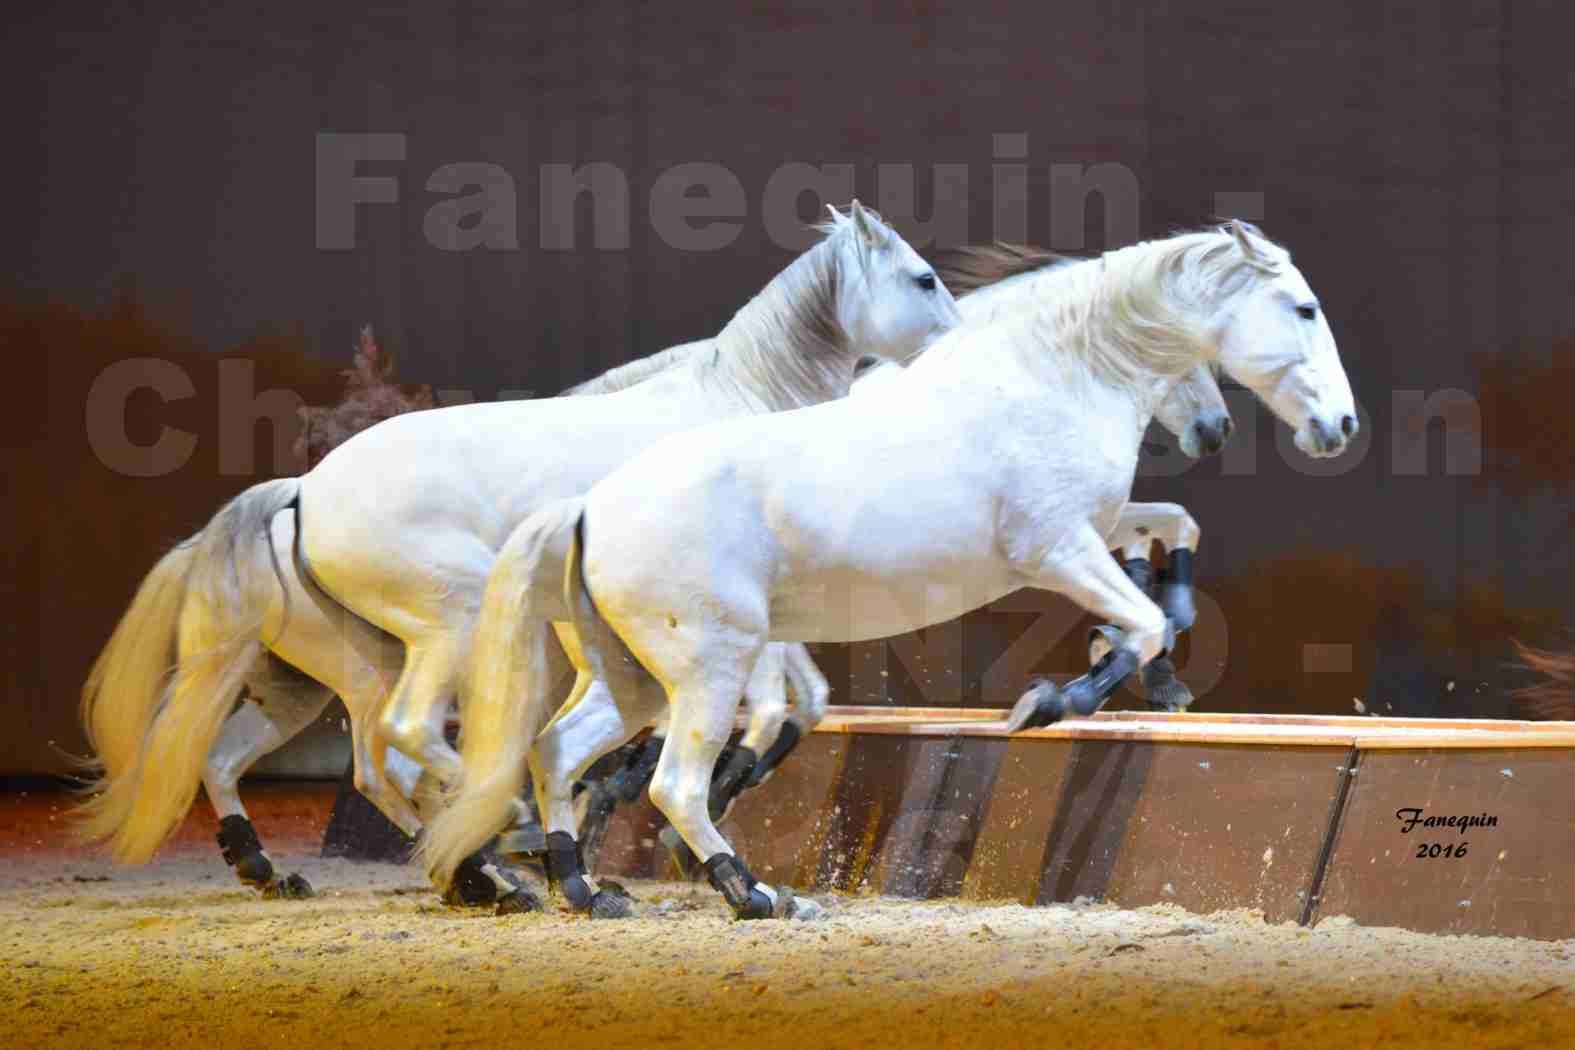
(173, 670)
(507, 697)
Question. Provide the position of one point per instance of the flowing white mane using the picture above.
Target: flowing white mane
(1146, 308)
(786, 347)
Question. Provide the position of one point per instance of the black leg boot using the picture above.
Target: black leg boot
(566, 873)
(243, 851)
(481, 880)
(734, 882)
(785, 742)
(625, 784)
(1175, 590)
(1044, 704)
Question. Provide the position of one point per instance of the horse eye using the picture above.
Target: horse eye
(926, 281)
(1307, 313)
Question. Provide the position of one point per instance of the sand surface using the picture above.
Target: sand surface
(177, 954)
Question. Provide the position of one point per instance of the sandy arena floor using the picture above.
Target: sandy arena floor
(178, 955)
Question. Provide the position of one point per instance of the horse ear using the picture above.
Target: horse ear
(872, 232)
(837, 218)
(1238, 230)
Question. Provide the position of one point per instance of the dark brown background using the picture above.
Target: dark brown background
(1415, 157)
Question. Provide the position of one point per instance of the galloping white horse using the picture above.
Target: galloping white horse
(1001, 460)
(401, 522)
(989, 281)
(992, 280)
(122, 700)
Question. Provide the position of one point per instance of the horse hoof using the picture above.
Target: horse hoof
(609, 886)
(806, 910)
(289, 888)
(795, 908)
(520, 902)
(295, 888)
(610, 905)
(1041, 705)
(759, 905)
(1168, 693)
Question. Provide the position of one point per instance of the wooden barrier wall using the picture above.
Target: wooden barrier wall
(1301, 817)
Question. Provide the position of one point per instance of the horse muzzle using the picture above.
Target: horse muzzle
(1322, 440)
(1207, 437)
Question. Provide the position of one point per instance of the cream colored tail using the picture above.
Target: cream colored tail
(507, 697)
(173, 670)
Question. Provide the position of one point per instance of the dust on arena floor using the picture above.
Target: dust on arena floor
(178, 954)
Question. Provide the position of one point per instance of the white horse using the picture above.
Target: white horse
(993, 280)
(401, 522)
(359, 663)
(1003, 459)
(989, 282)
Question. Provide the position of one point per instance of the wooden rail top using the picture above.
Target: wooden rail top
(1339, 731)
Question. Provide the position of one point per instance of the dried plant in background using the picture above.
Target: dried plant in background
(370, 396)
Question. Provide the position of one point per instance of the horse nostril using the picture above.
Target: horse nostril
(1348, 426)
(1210, 439)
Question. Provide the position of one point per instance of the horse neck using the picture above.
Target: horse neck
(786, 348)
(637, 371)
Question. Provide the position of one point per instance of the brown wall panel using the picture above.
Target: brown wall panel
(1008, 852)
(973, 765)
(1205, 827)
(940, 810)
(880, 812)
(1515, 878)
(630, 847)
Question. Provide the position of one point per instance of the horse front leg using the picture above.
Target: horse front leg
(1081, 568)
(1178, 533)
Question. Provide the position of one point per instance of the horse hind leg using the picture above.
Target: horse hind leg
(352, 657)
(738, 770)
(579, 735)
(810, 692)
(767, 739)
(413, 721)
(765, 700)
(703, 712)
(283, 702)
(416, 714)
